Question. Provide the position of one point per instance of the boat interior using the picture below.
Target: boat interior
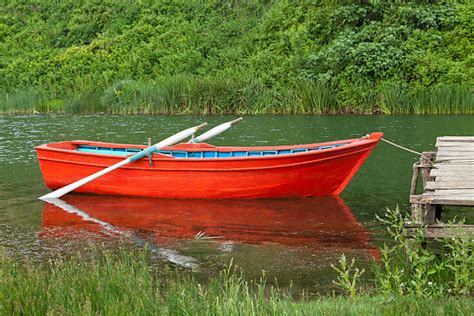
(117, 151)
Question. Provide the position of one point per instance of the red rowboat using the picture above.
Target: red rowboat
(206, 171)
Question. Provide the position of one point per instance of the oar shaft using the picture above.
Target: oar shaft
(167, 142)
(71, 187)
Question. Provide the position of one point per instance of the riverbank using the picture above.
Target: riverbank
(408, 279)
(192, 95)
(125, 283)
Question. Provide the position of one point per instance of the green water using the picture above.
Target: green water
(382, 182)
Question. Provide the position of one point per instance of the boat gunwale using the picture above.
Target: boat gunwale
(288, 165)
(157, 157)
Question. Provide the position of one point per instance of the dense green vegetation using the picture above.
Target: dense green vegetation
(409, 280)
(126, 284)
(228, 56)
(408, 267)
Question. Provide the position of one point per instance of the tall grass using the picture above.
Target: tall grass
(125, 283)
(441, 99)
(407, 267)
(87, 101)
(316, 98)
(203, 95)
(23, 101)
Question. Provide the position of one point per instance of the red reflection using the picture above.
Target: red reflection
(317, 223)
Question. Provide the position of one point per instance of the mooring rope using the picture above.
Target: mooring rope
(401, 147)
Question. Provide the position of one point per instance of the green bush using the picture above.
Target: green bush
(243, 56)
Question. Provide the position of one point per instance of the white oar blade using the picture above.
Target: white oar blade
(215, 131)
(167, 142)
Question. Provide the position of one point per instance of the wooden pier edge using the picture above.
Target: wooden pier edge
(447, 177)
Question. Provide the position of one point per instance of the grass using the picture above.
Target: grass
(201, 95)
(125, 283)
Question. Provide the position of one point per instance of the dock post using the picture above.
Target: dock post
(422, 213)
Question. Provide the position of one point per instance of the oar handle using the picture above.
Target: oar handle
(215, 131)
(237, 120)
(198, 127)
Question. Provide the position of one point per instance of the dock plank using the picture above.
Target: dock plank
(455, 156)
(456, 160)
(448, 147)
(455, 138)
(441, 185)
(447, 200)
(441, 230)
(452, 173)
(453, 191)
(452, 201)
(454, 177)
(452, 150)
(453, 144)
(451, 168)
(465, 164)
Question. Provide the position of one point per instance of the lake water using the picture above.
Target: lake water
(292, 240)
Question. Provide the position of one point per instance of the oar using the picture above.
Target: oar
(148, 151)
(215, 131)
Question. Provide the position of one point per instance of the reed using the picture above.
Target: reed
(441, 99)
(393, 99)
(178, 95)
(23, 101)
(124, 282)
(204, 95)
(85, 102)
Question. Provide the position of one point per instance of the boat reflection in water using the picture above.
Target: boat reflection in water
(313, 223)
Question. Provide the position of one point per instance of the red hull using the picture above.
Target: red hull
(314, 173)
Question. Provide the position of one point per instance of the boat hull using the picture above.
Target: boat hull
(317, 173)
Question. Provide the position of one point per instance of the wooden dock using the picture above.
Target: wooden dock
(448, 180)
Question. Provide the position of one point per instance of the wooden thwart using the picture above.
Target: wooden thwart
(449, 181)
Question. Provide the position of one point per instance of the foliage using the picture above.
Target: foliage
(349, 275)
(348, 51)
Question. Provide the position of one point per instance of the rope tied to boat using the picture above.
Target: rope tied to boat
(401, 147)
(405, 148)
